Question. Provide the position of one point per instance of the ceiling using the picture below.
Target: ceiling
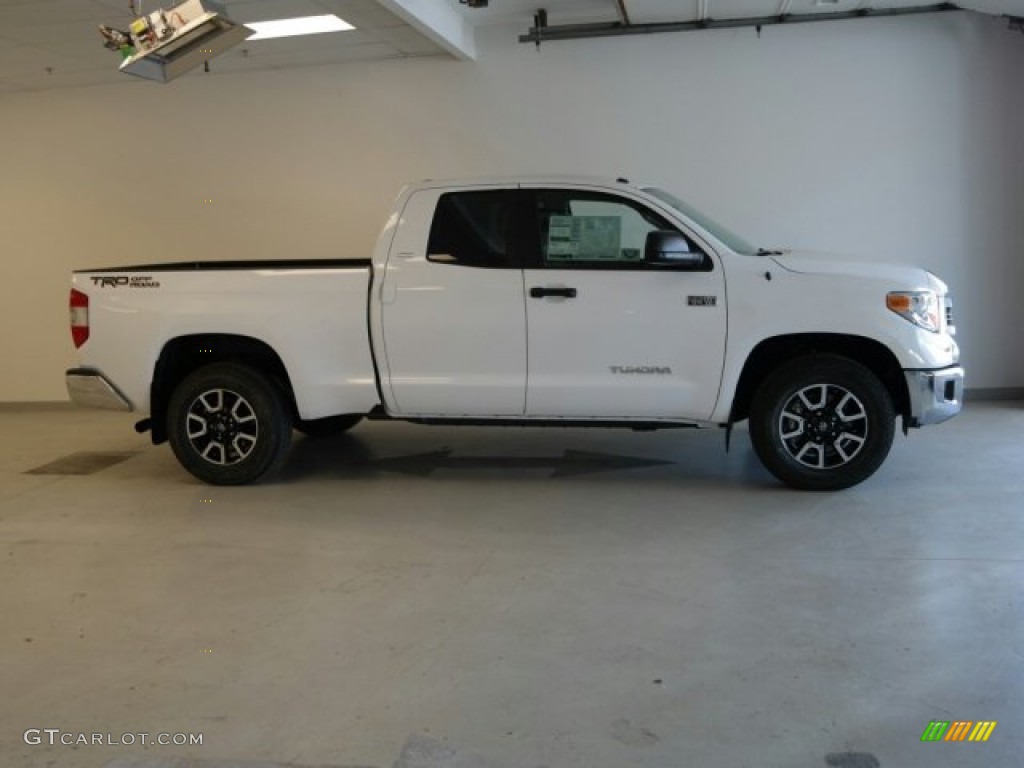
(55, 44)
(48, 44)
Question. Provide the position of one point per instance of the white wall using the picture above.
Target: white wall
(898, 139)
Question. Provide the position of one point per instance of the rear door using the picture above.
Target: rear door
(611, 336)
(452, 305)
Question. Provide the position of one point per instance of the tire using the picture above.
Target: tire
(822, 423)
(228, 424)
(332, 425)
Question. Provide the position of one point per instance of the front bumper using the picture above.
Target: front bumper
(935, 396)
(90, 388)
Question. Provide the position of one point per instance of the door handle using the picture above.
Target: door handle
(539, 292)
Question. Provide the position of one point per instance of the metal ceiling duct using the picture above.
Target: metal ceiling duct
(541, 33)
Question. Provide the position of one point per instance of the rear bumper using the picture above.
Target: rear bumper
(91, 389)
(935, 396)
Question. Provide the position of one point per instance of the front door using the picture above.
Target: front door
(610, 336)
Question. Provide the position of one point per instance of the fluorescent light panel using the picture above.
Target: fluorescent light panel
(302, 25)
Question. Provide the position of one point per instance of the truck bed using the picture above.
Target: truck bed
(311, 313)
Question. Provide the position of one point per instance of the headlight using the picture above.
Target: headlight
(919, 307)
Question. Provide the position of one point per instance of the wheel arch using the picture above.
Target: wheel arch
(182, 355)
(773, 352)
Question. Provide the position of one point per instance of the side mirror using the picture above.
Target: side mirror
(671, 249)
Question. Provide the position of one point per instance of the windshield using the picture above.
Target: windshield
(733, 241)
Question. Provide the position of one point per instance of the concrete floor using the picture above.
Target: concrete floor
(487, 613)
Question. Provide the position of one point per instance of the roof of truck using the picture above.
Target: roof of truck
(558, 179)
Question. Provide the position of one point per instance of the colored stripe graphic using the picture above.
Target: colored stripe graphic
(959, 730)
(935, 731)
(983, 730)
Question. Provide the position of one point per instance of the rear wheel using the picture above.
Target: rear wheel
(228, 424)
(822, 422)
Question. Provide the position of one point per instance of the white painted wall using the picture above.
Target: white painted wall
(897, 139)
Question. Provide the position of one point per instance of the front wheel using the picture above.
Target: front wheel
(228, 424)
(822, 423)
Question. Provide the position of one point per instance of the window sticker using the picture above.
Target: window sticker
(561, 242)
(589, 238)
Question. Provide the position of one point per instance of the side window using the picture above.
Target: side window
(472, 229)
(595, 230)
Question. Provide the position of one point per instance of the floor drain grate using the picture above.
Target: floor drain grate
(82, 463)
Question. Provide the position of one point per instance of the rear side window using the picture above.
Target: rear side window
(472, 229)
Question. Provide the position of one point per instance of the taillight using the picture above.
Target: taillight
(79, 305)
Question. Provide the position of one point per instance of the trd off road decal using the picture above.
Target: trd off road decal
(124, 281)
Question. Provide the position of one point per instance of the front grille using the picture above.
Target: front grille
(950, 325)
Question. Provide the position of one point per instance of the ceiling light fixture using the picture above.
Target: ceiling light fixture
(302, 25)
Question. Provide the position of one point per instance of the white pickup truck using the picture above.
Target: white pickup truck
(533, 301)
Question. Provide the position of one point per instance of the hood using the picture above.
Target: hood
(901, 276)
